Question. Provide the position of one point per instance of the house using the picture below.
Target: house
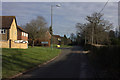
(44, 41)
(22, 34)
(57, 39)
(10, 33)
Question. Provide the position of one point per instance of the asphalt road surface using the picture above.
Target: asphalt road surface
(71, 63)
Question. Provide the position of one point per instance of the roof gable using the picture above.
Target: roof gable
(6, 21)
(20, 28)
(57, 36)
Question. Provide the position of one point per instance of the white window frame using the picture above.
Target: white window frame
(22, 34)
(26, 35)
(4, 31)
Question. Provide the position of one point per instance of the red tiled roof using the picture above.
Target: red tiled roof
(57, 36)
(18, 27)
(6, 21)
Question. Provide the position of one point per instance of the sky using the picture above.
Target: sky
(59, 0)
(64, 17)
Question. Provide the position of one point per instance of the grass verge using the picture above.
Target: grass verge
(106, 58)
(15, 61)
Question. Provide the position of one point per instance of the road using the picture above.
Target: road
(70, 64)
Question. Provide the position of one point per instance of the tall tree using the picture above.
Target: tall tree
(36, 28)
(81, 31)
(112, 34)
(73, 37)
(95, 31)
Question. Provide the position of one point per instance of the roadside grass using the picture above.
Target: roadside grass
(15, 61)
(106, 58)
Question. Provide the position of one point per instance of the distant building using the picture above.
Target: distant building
(44, 41)
(12, 35)
(57, 39)
(22, 34)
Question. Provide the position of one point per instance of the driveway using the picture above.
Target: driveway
(71, 63)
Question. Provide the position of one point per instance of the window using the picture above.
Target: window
(26, 35)
(2, 31)
(22, 33)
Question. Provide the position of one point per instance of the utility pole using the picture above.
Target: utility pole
(85, 37)
(51, 26)
(92, 33)
(52, 22)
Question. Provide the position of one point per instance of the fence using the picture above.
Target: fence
(12, 44)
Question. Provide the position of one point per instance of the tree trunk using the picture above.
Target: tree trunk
(33, 43)
(85, 37)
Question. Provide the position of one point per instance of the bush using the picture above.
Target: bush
(106, 58)
(115, 41)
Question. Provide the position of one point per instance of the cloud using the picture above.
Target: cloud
(64, 18)
(59, 0)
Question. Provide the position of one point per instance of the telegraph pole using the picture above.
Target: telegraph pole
(92, 33)
(51, 25)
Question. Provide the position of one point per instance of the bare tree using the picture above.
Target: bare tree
(95, 31)
(72, 37)
(36, 28)
(81, 31)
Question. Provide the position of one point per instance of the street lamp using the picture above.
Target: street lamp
(58, 5)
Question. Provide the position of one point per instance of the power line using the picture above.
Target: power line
(104, 6)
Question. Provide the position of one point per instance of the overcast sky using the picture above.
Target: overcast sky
(64, 17)
(59, 0)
